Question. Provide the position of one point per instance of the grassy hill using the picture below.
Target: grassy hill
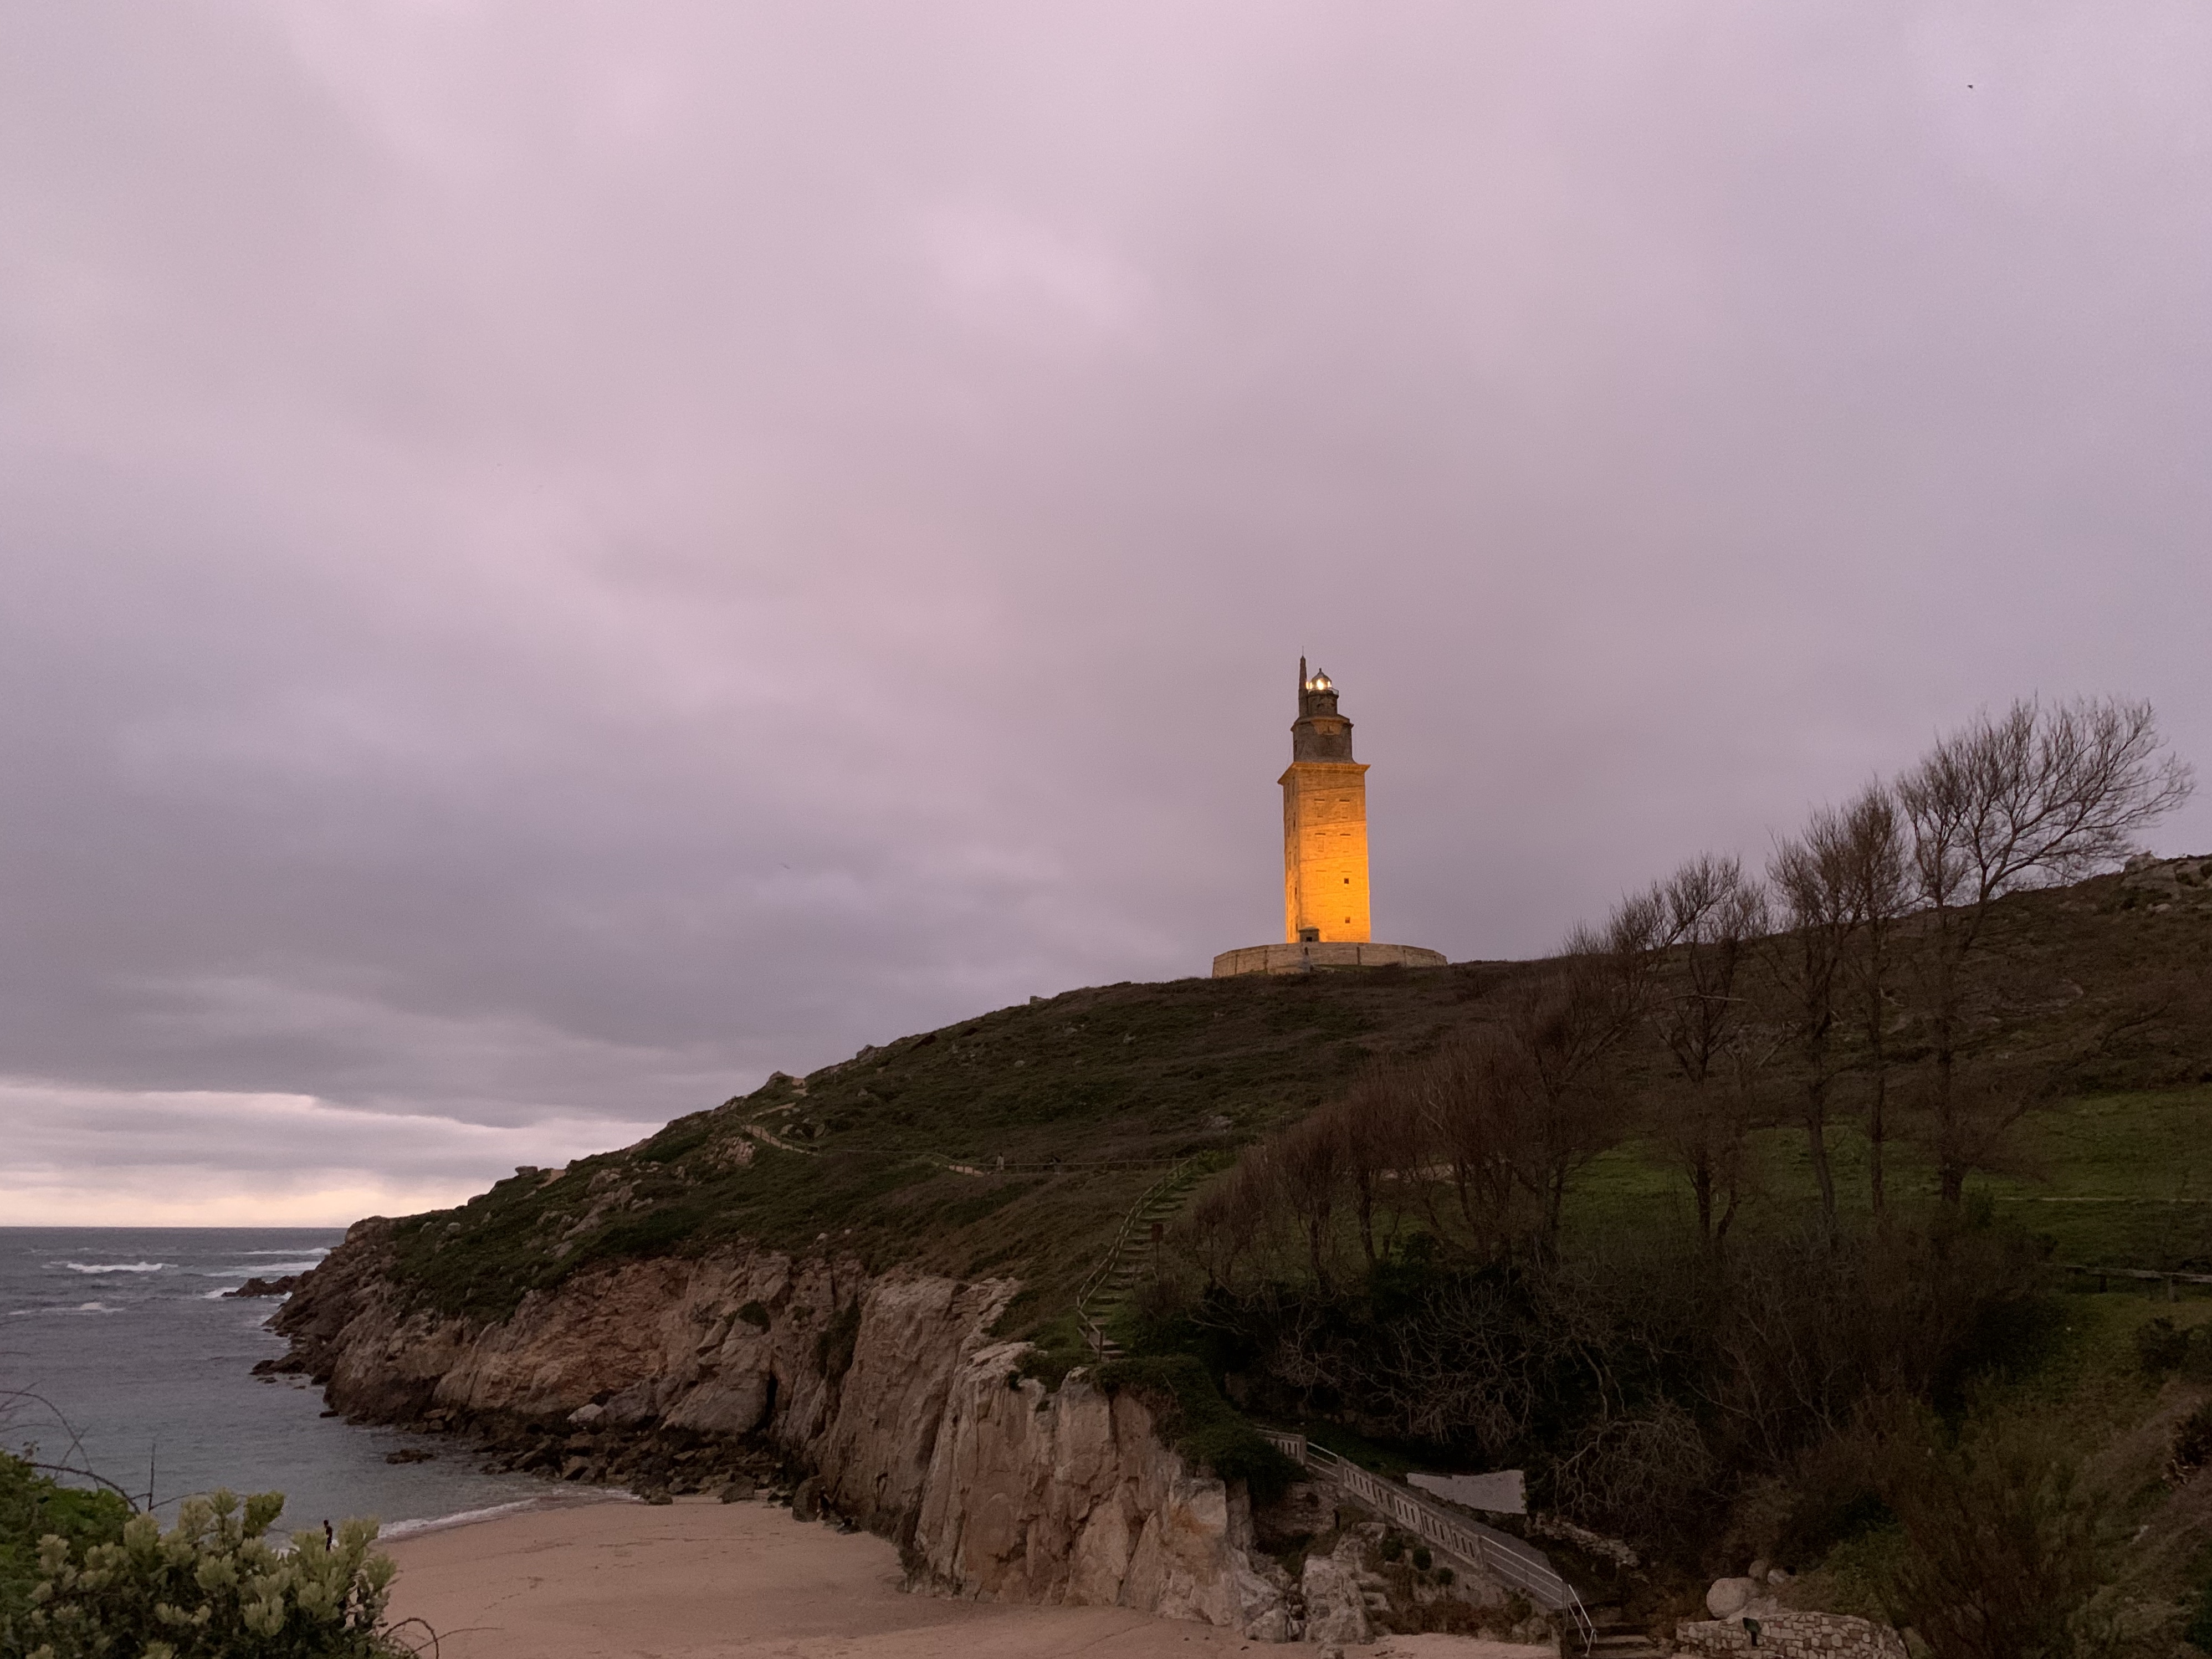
(1014, 1142)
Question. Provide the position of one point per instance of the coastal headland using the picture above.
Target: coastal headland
(909, 1290)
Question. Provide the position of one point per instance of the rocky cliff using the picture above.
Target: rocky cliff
(889, 1387)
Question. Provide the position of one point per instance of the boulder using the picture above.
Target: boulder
(806, 1501)
(1336, 1604)
(1730, 1596)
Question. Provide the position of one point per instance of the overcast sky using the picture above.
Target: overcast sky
(559, 557)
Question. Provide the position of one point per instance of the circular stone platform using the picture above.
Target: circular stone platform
(1305, 958)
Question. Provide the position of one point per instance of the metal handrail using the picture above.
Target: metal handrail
(1524, 1570)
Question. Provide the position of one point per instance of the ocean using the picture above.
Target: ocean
(125, 1334)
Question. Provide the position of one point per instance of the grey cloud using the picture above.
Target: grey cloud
(557, 557)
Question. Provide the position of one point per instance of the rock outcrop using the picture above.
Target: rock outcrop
(284, 1286)
(917, 1425)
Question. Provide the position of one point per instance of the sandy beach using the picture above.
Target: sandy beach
(694, 1579)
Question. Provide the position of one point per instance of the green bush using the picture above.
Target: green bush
(213, 1586)
(33, 1507)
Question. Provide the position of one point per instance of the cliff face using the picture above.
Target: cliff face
(887, 1386)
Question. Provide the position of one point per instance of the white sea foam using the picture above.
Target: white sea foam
(556, 1500)
(115, 1267)
(81, 1308)
(257, 1269)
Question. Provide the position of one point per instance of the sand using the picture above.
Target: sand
(697, 1578)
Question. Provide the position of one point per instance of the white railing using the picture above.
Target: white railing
(1487, 1552)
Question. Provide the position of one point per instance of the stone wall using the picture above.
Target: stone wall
(1305, 958)
(1791, 1635)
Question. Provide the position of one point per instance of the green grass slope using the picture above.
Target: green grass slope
(1013, 1143)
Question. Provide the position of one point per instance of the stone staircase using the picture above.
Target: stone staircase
(1469, 1544)
(1114, 1281)
(1612, 1636)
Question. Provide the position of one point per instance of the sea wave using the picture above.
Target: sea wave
(318, 1251)
(81, 1308)
(470, 1518)
(257, 1269)
(115, 1267)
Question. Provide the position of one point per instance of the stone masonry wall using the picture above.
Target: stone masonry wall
(1791, 1636)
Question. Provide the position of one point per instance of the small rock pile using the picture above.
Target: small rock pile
(2163, 884)
(1361, 1579)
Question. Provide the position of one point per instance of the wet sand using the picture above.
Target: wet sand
(697, 1579)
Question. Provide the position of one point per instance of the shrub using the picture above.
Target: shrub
(2192, 1442)
(754, 1314)
(212, 1586)
(2159, 1348)
(2008, 1545)
(2197, 1633)
(1422, 1559)
(33, 1507)
(1199, 1424)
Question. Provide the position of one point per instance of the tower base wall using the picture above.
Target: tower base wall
(1305, 958)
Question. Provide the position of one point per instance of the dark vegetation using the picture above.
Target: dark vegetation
(33, 1505)
(83, 1574)
(1199, 1423)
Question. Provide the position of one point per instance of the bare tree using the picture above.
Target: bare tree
(1841, 884)
(1307, 1163)
(1874, 863)
(1558, 1029)
(1712, 914)
(1468, 1119)
(2037, 796)
(1224, 1224)
(1379, 1125)
(1812, 876)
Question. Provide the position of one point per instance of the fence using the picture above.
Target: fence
(1487, 1552)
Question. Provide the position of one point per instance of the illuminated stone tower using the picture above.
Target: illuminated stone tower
(1324, 823)
(1325, 920)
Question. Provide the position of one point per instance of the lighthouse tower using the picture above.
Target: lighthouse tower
(1325, 901)
(1324, 822)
